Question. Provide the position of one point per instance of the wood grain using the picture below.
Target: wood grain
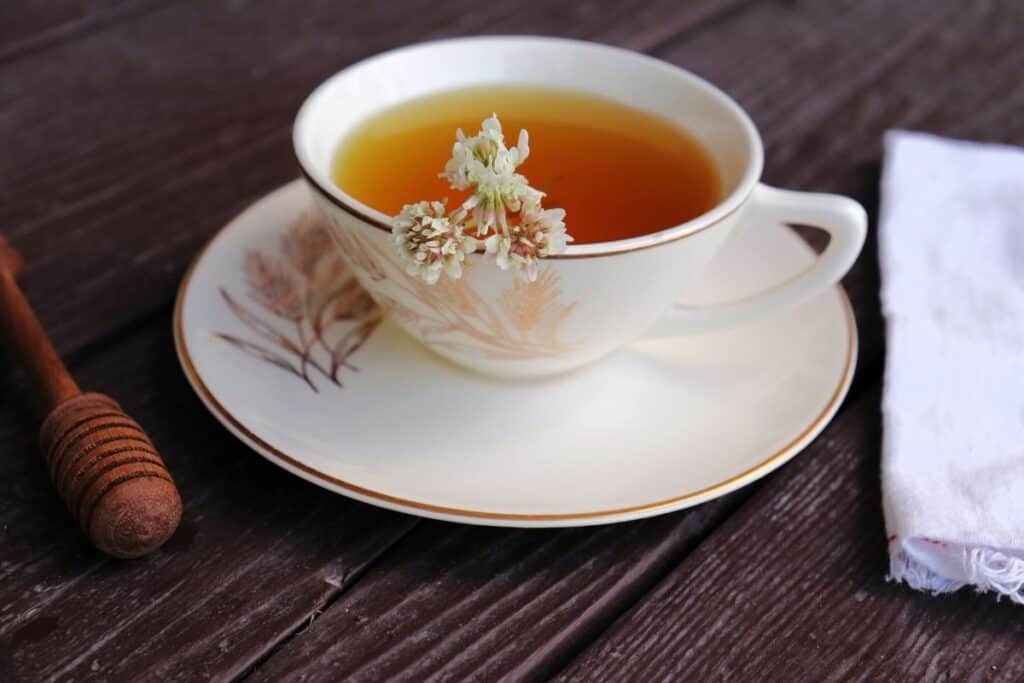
(792, 588)
(28, 27)
(445, 601)
(258, 552)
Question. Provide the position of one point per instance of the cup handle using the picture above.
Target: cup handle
(846, 223)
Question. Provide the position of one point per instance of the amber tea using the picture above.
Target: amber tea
(618, 172)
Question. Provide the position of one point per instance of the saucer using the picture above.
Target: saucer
(353, 404)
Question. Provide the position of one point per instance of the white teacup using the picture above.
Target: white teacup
(594, 297)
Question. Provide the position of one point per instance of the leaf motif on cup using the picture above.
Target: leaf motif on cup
(523, 322)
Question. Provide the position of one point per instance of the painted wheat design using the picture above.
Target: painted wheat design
(310, 314)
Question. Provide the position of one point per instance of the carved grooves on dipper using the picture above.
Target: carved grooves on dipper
(92, 447)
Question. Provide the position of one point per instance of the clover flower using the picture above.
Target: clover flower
(485, 151)
(539, 233)
(429, 242)
(496, 195)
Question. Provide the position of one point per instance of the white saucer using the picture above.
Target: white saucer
(656, 427)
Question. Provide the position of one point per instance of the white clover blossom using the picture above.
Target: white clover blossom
(484, 158)
(496, 195)
(539, 233)
(463, 167)
(502, 209)
(429, 242)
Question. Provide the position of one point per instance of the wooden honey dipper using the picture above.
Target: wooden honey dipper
(104, 466)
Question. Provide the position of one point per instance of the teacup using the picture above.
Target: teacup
(593, 298)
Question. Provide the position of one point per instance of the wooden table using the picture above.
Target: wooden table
(132, 129)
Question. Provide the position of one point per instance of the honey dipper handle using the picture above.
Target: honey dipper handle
(25, 336)
(102, 462)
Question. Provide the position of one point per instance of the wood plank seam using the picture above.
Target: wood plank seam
(713, 18)
(743, 513)
(347, 581)
(113, 632)
(863, 384)
(76, 30)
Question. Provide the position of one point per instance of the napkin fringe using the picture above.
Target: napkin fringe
(986, 569)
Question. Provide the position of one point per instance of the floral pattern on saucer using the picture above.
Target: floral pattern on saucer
(308, 315)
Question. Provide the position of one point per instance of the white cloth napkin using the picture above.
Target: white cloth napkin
(951, 243)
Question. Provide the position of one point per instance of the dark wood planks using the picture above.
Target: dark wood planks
(792, 588)
(259, 551)
(453, 602)
(809, 155)
(27, 27)
(128, 147)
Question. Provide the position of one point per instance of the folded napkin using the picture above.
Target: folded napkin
(951, 243)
